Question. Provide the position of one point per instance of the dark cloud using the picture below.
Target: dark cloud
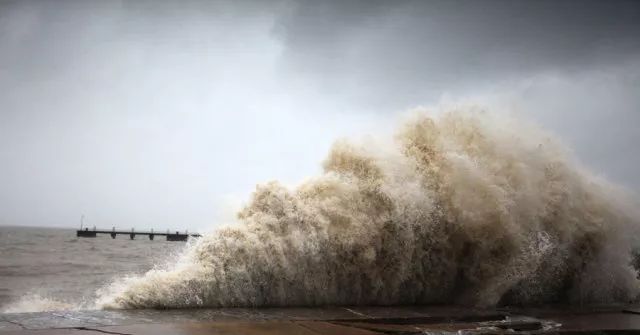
(141, 112)
(396, 53)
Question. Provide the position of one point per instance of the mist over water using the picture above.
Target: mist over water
(460, 206)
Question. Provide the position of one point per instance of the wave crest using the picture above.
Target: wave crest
(466, 207)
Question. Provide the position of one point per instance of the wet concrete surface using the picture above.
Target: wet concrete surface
(331, 320)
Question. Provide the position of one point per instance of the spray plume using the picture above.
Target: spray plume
(464, 207)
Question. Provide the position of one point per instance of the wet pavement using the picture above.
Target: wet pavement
(329, 321)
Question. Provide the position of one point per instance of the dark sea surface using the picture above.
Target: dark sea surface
(55, 264)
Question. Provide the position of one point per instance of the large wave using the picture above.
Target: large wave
(465, 207)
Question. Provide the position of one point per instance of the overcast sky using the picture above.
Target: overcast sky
(165, 114)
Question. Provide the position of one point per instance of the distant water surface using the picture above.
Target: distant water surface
(55, 264)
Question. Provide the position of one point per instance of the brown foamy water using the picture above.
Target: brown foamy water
(461, 206)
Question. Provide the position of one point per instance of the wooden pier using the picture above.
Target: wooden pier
(177, 236)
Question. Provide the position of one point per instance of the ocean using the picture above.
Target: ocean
(41, 266)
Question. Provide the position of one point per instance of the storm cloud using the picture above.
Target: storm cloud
(165, 114)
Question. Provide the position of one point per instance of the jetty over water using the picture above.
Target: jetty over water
(170, 236)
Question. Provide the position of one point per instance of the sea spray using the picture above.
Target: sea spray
(464, 207)
(29, 303)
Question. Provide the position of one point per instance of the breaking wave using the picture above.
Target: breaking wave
(465, 207)
(462, 207)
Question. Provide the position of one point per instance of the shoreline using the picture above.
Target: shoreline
(328, 320)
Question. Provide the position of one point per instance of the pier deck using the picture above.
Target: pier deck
(177, 236)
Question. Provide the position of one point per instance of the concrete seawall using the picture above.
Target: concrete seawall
(334, 320)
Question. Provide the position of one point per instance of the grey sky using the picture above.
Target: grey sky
(166, 114)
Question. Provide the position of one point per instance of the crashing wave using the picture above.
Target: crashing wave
(465, 207)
